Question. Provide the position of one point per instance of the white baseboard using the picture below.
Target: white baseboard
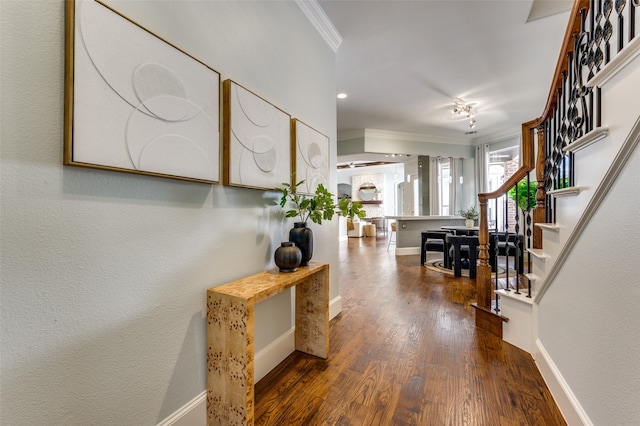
(194, 413)
(404, 251)
(567, 402)
(273, 354)
(335, 307)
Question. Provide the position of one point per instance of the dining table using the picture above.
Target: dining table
(458, 243)
(461, 230)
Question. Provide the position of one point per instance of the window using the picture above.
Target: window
(502, 164)
(444, 180)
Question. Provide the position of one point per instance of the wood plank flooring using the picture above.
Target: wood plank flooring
(405, 351)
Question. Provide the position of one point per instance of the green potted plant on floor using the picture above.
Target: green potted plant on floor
(351, 210)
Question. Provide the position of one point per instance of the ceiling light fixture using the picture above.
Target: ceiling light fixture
(466, 110)
(342, 95)
(397, 155)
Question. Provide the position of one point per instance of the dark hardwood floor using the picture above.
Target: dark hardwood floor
(405, 351)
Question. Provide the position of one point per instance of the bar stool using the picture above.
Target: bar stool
(370, 230)
(391, 235)
(381, 224)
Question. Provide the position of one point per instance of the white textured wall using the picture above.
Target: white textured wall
(588, 317)
(393, 173)
(103, 273)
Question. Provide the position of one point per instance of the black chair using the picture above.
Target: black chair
(463, 247)
(509, 245)
(433, 240)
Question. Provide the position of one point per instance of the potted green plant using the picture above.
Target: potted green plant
(526, 196)
(351, 209)
(470, 215)
(317, 207)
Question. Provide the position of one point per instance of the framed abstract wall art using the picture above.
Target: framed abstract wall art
(311, 157)
(136, 103)
(256, 139)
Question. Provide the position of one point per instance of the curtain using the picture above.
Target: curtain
(482, 168)
(455, 187)
(434, 186)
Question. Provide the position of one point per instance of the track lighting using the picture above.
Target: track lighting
(462, 109)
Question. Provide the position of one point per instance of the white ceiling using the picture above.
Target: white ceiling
(403, 62)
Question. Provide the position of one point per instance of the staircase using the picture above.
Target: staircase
(585, 144)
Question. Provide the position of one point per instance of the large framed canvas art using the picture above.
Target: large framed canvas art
(136, 103)
(312, 157)
(256, 139)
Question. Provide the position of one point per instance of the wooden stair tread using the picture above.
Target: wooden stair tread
(521, 297)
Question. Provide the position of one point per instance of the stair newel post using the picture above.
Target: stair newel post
(483, 270)
(539, 213)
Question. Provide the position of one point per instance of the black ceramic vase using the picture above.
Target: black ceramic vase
(303, 237)
(287, 257)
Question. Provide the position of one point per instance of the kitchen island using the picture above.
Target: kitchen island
(409, 229)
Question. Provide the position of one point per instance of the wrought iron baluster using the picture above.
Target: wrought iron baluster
(529, 234)
(564, 129)
(494, 238)
(516, 232)
(632, 21)
(506, 233)
(595, 31)
(620, 5)
(607, 29)
(550, 131)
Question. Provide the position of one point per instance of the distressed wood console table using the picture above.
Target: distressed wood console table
(230, 328)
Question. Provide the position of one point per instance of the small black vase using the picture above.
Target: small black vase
(303, 237)
(287, 257)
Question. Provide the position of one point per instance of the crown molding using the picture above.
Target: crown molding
(353, 134)
(421, 137)
(415, 137)
(321, 22)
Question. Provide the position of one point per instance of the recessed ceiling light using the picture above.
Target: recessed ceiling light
(342, 95)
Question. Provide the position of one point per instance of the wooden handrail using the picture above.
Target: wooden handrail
(562, 65)
(483, 271)
(528, 163)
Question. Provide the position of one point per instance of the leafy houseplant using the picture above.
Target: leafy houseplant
(317, 207)
(524, 194)
(471, 214)
(351, 209)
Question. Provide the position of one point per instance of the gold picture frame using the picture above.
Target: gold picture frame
(257, 143)
(135, 102)
(311, 159)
